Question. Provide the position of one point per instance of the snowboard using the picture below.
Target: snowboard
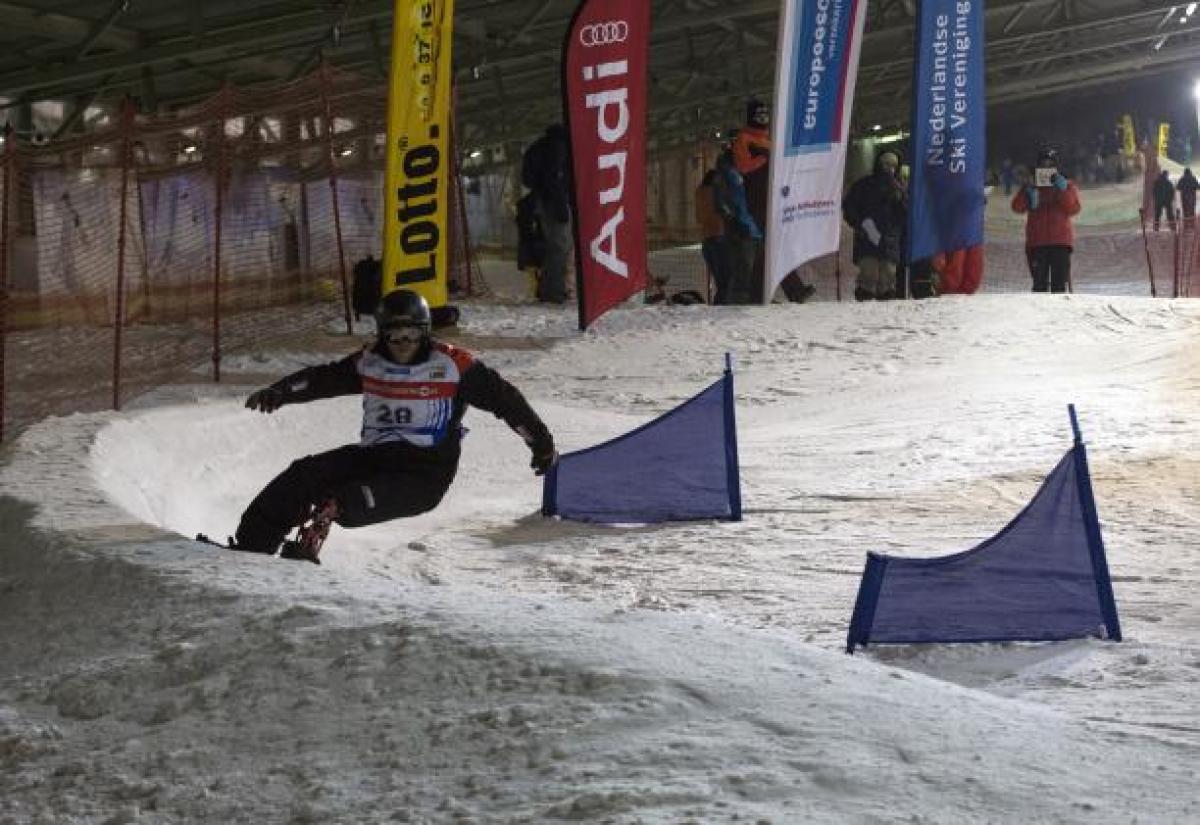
(308, 541)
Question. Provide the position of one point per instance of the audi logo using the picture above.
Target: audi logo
(604, 34)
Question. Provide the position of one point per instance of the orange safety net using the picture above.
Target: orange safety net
(143, 252)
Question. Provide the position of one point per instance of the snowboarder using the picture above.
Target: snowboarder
(415, 391)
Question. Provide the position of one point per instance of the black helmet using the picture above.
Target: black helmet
(402, 308)
(1047, 158)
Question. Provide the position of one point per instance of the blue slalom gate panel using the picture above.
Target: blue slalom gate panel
(1044, 577)
(681, 466)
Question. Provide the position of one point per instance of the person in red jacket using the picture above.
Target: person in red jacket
(752, 145)
(1049, 202)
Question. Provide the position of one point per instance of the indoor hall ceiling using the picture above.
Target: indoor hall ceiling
(707, 56)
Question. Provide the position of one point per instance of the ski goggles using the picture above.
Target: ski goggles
(404, 334)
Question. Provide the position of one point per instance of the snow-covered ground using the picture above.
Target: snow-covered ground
(480, 664)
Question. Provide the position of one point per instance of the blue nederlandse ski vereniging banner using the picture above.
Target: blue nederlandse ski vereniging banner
(946, 200)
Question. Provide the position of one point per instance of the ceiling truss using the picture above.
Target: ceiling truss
(707, 56)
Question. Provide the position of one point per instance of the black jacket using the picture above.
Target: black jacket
(546, 170)
(478, 385)
(882, 198)
(1164, 191)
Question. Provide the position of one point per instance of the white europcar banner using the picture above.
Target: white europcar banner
(819, 46)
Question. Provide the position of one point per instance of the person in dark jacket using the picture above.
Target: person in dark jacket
(415, 391)
(752, 156)
(1187, 193)
(531, 240)
(1049, 234)
(743, 236)
(712, 235)
(1164, 200)
(876, 208)
(546, 170)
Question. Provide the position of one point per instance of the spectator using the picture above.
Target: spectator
(752, 153)
(531, 241)
(546, 170)
(712, 235)
(1049, 201)
(876, 208)
(743, 236)
(1007, 175)
(1164, 199)
(923, 279)
(1187, 194)
(752, 145)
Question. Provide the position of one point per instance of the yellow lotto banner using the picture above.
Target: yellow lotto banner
(416, 228)
(1164, 138)
(1127, 136)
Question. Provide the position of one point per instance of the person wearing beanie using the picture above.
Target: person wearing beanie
(1187, 187)
(1049, 202)
(876, 208)
(752, 156)
(1164, 200)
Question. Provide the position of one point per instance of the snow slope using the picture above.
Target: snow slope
(481, 664)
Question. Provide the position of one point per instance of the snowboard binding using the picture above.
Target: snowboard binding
(311, 533)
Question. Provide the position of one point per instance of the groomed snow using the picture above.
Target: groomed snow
(481, 664)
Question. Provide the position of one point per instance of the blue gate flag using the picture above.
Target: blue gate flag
(946, 199)
(1044, 577)
(681, 466)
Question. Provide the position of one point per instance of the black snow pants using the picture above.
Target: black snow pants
(1050, 267)
(371, 484)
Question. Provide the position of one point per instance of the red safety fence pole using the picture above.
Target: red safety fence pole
(119, 316)
(460, 204)
(1189, 253)
(327, 112)
(219, 212)
(10, 141)
(1176, 260)
(1146, 244)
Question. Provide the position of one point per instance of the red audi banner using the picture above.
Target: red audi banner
(605, 60)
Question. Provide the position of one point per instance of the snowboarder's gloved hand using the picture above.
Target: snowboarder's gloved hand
(543, 460)
(1031, 195)
(265, 400)
(1059, 181)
